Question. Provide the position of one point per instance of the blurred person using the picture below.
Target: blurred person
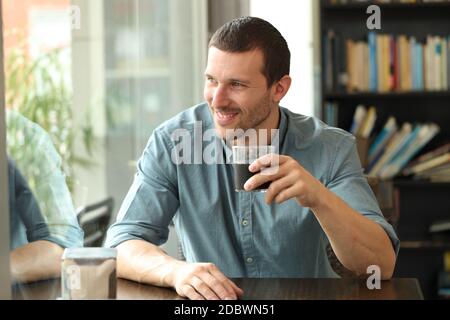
(42, 217)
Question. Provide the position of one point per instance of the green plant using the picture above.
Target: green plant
(40, 90)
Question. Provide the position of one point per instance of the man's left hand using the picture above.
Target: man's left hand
(288, 180)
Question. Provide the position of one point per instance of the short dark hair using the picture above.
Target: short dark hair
(249, 33)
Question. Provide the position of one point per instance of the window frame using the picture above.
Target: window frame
(5, 276)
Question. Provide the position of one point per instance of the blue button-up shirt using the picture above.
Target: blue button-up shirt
(238, 231)
(41, 207)
(28, 224)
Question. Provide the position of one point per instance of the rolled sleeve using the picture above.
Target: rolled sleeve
(349, 183)
(62, 230)
(64, 236)
(152, 200)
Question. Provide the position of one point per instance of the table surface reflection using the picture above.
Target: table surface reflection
(254, 289)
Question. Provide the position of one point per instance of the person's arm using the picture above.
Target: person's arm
(35, 261)
(142, 261)
(143, 224)
(357, 241)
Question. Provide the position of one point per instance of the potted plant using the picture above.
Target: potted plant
(39, 89)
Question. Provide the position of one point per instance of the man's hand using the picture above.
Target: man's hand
(356, 240)
(288, 180)
(200, 281)
(141, 261)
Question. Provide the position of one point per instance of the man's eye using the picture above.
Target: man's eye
(237, 84)
(210, 80)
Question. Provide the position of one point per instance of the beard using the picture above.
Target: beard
(249, 124)
(257, 115)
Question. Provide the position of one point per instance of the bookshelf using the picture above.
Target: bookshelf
(419, 202)
(388, 5)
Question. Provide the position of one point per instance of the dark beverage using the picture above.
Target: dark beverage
(242, 174)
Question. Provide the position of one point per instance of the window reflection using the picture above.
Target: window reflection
(40, 136)
(42, 215)
(81, 104)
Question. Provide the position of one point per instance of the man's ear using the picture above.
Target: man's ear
(281, 87)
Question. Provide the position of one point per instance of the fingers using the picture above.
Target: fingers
(204, 288)
(286, 194)
(270, 167)
(229, 285)
(237, 290)
(189, 292)
(278, 187)
(266, 175)
(256, 181)
(218, 287)
(272, 160)
(205, 281)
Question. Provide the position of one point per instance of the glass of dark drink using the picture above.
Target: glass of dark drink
(243, 156)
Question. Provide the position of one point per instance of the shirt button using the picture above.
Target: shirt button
(244, 222)
(249, 260)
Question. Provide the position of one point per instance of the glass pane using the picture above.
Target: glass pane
(87, 82)
(40, 135)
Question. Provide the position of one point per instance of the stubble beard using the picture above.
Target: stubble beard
(254, 121)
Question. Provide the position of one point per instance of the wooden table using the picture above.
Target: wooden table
(254, 289)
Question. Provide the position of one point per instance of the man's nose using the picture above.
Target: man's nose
(220, 96)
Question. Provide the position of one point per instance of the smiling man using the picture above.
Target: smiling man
(317, 197)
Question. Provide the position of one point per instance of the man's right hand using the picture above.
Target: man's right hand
(200, 281)
(141, 261)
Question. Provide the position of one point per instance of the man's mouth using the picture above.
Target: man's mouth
(225, 118)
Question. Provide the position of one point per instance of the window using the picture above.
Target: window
(86, 84)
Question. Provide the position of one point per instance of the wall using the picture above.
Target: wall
(17, 17)
(294, 19)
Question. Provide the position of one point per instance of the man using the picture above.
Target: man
(36, 243)
(318, 195)
(42, 217)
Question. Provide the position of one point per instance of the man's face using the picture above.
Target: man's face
(237, 92)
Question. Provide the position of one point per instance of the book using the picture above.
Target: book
(328, 60)
(373, 75)
(382, 138)
(331, 114)
(445, 158)
(448, 63)
(421, 135)
(358, 118)
(441, 170)
(444, 61)
(350, 63)
(440, 226)
(427, 156)
(386, 62)
(369, 122)
(391, 168)
(391, 149)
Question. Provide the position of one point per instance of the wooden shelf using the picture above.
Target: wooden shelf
(420, 184)
(388, 95)
(408, 6)
(420, 202)
(425, 244)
